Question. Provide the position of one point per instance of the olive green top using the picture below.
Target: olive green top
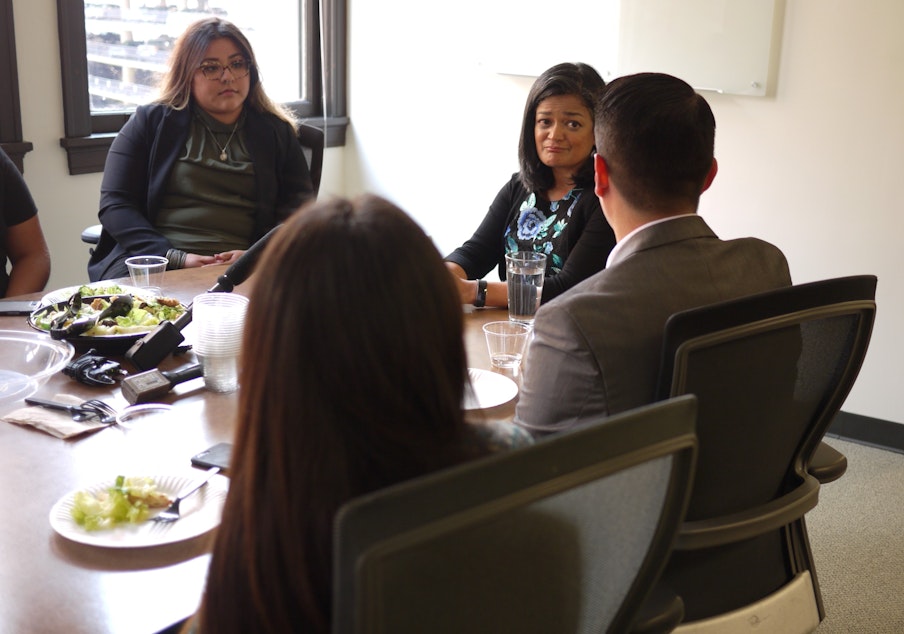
(209, 204)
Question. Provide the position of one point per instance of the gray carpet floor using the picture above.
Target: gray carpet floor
(857, 538)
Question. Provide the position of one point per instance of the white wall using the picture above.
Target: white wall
(814, 169)
(817, 170)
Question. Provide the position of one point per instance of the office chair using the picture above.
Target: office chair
(567, 535)
(313, 143)
(312, 140)
(770, 372)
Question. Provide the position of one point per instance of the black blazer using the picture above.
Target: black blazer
(141, 159)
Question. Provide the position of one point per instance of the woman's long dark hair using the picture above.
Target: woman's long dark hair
(562, 79)
(188, 52)
(352, 379)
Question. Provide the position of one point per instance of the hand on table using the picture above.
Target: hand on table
(228, 257)
(497, 292)
(193, 260)
(467, 289)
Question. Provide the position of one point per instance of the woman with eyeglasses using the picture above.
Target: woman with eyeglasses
(208, 168)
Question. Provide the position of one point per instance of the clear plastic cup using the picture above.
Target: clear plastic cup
(221, 371)
(219, 319)
(506, 341)
(146, 272)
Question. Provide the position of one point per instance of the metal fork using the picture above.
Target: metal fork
(105, 412)
(171, 514)
(82, 411)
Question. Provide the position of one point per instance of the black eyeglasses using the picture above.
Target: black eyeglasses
(238, 67)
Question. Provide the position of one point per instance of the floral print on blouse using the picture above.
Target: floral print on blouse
(540, 227)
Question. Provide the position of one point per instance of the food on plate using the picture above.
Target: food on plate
(144, 315)
(128, 501)
(91, 291)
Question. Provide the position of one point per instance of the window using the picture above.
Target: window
(111, 51)
(10, 113)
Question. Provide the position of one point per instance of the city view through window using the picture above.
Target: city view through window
(129, 43)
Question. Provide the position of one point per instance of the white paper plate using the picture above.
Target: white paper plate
(200, 514)
(63, 294)
(489, 390)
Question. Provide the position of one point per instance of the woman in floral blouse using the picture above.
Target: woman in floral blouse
(549, 206)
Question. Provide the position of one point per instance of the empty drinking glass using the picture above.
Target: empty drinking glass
(505, 342)
(147, 271)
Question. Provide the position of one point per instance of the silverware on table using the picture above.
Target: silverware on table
(171, 514)
(92, 408)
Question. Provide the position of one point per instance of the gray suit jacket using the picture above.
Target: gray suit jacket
(596, 348)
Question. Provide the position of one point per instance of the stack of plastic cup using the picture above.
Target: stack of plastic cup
(219, 319)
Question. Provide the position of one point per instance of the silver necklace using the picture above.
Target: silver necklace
(222, 148)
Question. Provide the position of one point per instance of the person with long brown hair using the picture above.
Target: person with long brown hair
(203, 172)
(353, 376)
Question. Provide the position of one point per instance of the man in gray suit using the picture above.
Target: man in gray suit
(596, 348)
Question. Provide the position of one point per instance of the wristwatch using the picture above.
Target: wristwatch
(481, 299)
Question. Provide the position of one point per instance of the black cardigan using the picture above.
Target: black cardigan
(590, 239)
(141, 159)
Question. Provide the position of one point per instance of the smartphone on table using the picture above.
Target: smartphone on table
(216, 456)
(18, 306)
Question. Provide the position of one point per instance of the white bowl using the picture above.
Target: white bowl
(28, 360)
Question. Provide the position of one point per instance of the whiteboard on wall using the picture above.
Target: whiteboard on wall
(729, 46)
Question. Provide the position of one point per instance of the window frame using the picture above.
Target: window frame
(10, 110)
(88, 137)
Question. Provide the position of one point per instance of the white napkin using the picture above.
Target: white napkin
(54, 422)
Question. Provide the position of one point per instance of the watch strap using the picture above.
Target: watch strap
(481, 299)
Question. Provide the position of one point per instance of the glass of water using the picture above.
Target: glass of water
(524, 276)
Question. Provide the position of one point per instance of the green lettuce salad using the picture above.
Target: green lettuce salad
(91, 291)
(129, 501)
(145, 315)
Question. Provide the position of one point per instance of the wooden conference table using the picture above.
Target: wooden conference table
(51, 584)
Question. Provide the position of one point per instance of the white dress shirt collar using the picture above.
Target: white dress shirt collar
(620, 245)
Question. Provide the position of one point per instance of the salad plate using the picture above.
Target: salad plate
(113, 342)
(107, 287)
(200, 513)
(489, 389)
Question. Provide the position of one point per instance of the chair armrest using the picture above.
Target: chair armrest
(827, 464)
(752, 522)
(660, 613)
(90, 235)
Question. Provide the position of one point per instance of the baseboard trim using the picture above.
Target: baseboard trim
(876, 432)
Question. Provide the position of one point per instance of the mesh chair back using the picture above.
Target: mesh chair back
(770, 372)
(565, 536)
